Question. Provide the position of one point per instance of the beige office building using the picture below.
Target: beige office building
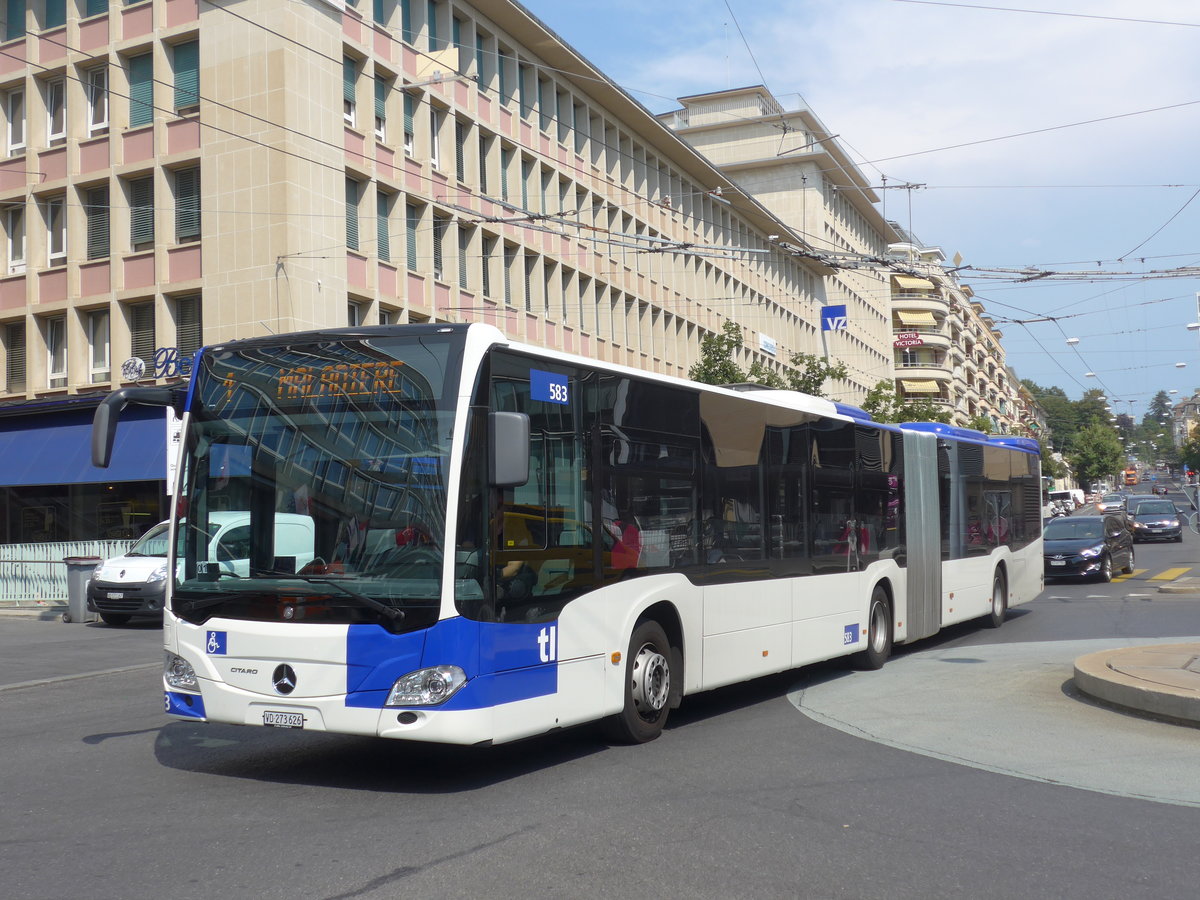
(180, 173)
(786, 159)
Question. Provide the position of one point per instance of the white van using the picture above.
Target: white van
(134, 584)
(1075, 497)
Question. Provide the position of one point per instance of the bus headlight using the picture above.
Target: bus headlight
(179, 674)
(426, 687)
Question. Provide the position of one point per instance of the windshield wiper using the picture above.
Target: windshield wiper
(390, 612)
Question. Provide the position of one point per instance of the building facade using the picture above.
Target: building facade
(180, 173)
(786, 158)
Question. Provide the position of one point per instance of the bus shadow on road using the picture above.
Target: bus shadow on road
(362, 763)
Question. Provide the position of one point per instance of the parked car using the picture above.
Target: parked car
(1111, 502)
(1087, 547)
(1156, 520)
(135, 584)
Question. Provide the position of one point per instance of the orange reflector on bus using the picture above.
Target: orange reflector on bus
(616, 658)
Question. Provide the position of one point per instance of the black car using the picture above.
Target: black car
(1156, 520)
(1087, 547)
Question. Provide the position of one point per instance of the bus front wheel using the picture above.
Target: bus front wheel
(879, 632)
(647, 687)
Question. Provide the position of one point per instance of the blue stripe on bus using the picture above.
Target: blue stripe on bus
(186, 706)
(504, 663)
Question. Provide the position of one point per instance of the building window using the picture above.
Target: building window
(464, 246)
(349, 80)
(56, 14)
(14, 114)
(142, 340)
(460, 151)
(56, 352)
(15, 24)
(410, 105)
(141, 213)
(406, 22)
(187, 204)
(100, 366)
(381, 93)
(14, 356)
(354, 313)
(56, 110)
(14, 228)
(431, 22)
(95, 8)
(352, 189)
(436, 117)
(440, 227)
(96, 209)
(186, 58)
(188, 326)
(141, 90)
(383, 241)
(412, 221)
(55, 211)
(95, 85)
(489, 252)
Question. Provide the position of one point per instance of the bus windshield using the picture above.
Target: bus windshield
(314, 484)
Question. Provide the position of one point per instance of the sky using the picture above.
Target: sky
(1062, 135)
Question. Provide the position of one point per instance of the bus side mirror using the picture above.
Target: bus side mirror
(104, 422)
(508, 448)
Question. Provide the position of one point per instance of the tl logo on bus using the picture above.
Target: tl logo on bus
(548, 644)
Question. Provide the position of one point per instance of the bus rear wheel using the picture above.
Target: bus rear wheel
(647, 687)
(999, 611)
(879, 632)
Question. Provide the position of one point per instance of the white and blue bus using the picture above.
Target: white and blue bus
(508, 540)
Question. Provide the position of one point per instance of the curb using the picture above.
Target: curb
(1161, 680)
(46, 612)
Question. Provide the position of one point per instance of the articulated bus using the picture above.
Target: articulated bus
(508, 540)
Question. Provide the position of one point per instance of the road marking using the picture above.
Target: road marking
(1134, 574)
(1169, 574)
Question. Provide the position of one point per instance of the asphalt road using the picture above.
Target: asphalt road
(965, 768)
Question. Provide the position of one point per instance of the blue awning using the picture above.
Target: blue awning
(56, 448)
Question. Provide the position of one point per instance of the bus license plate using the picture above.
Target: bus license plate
(275, 719)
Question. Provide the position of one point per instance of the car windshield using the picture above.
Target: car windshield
(1154, 508)
(152, 543)
(1111, 498)
(1077, 530)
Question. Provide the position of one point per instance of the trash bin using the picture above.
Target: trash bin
(79, 570)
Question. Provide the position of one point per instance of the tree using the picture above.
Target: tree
(809, 373)
(1051, 467)
(716, 365)
(885, 406)
(981, 423)
(1189, 453)
(1095, 453)
(1061, 415)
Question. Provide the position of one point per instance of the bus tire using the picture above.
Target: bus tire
(879, 632)
(647, 687)
(999, 611)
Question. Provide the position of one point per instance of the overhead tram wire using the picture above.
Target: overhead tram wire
(1047, 12)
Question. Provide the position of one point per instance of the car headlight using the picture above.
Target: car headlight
(96, 572)
(158, 574)
(179, 674)
(1089, 552)
(1139, 524)
(426, 687)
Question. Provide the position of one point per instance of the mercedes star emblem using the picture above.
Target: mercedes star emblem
(283, 679)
